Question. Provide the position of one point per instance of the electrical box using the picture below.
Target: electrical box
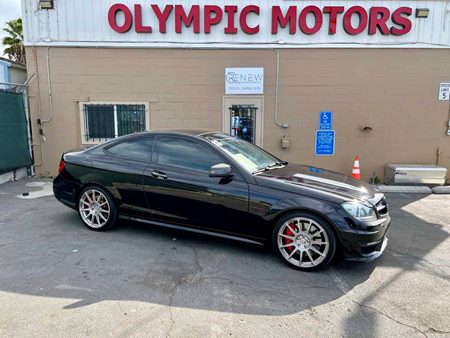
(414, 174)
(285, 142)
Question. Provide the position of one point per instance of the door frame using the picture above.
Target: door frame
(258, 101)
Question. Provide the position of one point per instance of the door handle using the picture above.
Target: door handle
(159, 175)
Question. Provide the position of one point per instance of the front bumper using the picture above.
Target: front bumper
(380, 247)
(362, 245)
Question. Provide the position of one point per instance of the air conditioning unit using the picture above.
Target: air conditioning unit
(414, 174)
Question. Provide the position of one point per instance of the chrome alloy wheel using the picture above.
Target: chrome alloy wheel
(303, 242)
(94, 208)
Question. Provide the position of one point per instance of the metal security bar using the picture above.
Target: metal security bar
(107, 121)
(130, 118)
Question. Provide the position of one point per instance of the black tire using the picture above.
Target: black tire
(105, 208)
(303, 241)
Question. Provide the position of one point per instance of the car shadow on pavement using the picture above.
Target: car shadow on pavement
(418, 273)
(54, 255)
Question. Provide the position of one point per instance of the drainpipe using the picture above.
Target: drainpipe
(38, 97)
(438, 155)
(277, 89)
(50, 97)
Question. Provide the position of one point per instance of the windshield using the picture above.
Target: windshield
(246, 154)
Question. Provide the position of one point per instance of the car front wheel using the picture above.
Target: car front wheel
(304, 241)
(97, 209)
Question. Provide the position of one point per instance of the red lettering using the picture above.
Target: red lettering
(231, 11)
(209, 20)
(283, 20)
(243, 19)
(362, 14)
(138, 26)
(112, 16)
(162, 16)
(333, 11)
(187, 19)
(378, 18)
(400, 17)
(318, 19)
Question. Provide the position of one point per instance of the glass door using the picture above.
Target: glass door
(243, 122)
(243, 117)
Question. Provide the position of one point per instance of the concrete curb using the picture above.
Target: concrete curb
(13, 175)
(405, 189)
(413, 189)
(441, 190)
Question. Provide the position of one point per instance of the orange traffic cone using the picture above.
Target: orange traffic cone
(356, 173)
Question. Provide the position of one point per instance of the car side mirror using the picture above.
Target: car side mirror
(220, 170)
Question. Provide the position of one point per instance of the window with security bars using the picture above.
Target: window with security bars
(107, 121)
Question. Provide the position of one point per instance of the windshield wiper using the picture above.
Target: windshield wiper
(260, 170)
(269, 167)
(277, 164)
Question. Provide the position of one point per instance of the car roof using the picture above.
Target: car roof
(193, 132)
(188, 132)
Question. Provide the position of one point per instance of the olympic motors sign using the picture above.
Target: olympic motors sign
(304, 19)
(239, 23)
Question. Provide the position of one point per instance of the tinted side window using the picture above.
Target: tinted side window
(140, 149)
(186, 154)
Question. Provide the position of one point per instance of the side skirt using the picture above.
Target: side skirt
(198, 231)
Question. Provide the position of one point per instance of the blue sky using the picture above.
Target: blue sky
(9, 9)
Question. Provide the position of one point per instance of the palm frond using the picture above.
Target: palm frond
(14, 41)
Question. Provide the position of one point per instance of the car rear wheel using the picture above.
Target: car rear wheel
(97, 209)
(304, 241)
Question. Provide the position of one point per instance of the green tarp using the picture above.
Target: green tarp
(14, 152)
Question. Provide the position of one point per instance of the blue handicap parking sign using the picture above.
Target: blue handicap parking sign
(325, 142)
(326, 120)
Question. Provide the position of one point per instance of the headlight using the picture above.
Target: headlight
(360, 211)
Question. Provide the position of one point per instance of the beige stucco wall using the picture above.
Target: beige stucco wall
(394, 91)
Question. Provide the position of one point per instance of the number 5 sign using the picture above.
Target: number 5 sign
(444, 91)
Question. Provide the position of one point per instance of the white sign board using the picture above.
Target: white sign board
(444, 91)
(244, 81)
(250, 23)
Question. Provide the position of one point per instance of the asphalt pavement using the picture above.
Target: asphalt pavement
(59, 279)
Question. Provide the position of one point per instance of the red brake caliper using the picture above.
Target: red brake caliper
(288, 232)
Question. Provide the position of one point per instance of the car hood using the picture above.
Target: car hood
(325, 182)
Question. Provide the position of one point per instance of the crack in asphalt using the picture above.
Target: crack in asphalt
(341, 286)
(369, 307)
(418, 258)
(171, 297)
(183, 280)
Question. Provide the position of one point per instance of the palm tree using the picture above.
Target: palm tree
(14, 41)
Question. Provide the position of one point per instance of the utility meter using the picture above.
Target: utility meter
(285, 142)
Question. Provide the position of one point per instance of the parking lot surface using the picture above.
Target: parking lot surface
(59, 279)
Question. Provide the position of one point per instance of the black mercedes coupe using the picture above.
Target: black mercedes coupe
(213, 183)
